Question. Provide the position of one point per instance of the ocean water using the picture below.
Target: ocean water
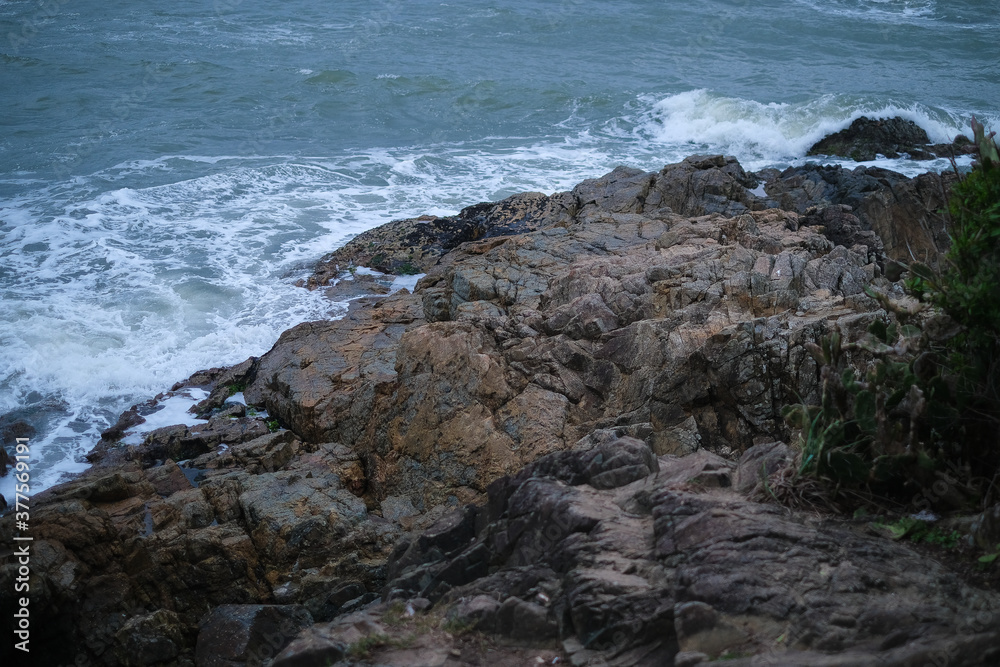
(168, 170)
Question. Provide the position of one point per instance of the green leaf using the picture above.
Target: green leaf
(847, 379)
(845, 466)
(879, 330)
(864, 411)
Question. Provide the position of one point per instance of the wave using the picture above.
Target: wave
(760, 133)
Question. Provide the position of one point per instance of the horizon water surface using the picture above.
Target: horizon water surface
(168, 171)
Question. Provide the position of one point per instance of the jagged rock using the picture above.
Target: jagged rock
(903, 212)
(186, 442)
(866, 138)
(117, 540)
(415, 245)
(631, 347)
(615, 313)
(233, 635)
(150, 639)
(702, 185)
(665, 566)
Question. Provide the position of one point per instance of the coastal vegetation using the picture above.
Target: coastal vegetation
(911, 414)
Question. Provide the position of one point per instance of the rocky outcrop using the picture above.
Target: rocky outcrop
(128, 558)
(415, 245)
(866, 139)
(616, 317)
(675, 567)
(627, 341)
(904, 213)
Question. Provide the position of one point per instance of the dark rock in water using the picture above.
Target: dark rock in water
(867, 138)
(127, 420)
(235, 634)
(13, 427)
(3, 503)
(5, 461)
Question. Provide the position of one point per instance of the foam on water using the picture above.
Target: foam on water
(170, 411)
(778, 134)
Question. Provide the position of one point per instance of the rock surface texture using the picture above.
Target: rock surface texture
(536, 447)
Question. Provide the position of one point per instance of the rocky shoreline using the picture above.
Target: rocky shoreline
(557, 448)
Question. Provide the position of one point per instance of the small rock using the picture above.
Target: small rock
(689, 659)
(395, 508)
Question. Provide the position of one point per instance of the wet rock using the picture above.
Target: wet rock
(12, 428)
(414, 246)
(127, 420)
(867, 138)
(354, 286)
(185, 442)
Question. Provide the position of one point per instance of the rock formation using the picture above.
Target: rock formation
(866, 139)
(541, 438)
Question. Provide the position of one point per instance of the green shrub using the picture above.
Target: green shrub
(928, 402)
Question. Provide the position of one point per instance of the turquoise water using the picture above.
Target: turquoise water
(167, 172)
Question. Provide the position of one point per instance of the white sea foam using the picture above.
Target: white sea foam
(170, 411)
(766, 134)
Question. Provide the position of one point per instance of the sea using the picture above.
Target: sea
(169, 170)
